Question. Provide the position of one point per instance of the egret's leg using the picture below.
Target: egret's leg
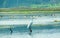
(11, 31)
(30, 30)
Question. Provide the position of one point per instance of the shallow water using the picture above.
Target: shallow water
(37, 32)
(51, 30)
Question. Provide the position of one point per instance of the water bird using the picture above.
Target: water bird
(29, 27)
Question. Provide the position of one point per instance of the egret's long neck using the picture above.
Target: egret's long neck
(30, 23)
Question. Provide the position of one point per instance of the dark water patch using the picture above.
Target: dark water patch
(23, 29)
(46, 27)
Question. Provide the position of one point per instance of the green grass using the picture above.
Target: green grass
(28, 11)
